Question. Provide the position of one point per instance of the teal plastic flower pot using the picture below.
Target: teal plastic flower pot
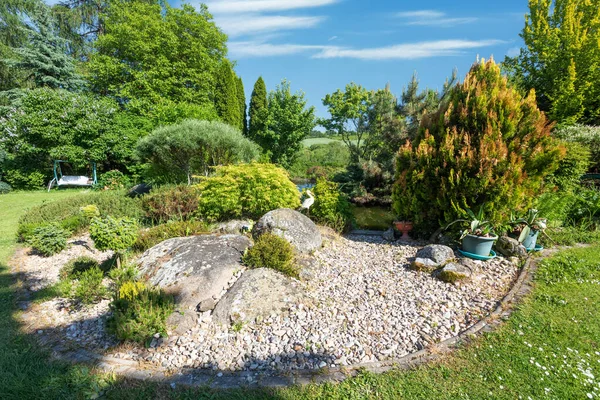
(531, 240)
(479, 245)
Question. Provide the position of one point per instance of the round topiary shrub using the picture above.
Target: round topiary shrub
(487, 146)
(331, 207)
(49, 239)
(116, 234)
(4, 187)
(272, 251)
(246, 190)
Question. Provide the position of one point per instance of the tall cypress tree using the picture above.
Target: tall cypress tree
(259, 112)
(242, 102)
(226, 99)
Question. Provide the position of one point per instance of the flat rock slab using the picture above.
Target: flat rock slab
(294, 227)
(258, 294)
(194, 268)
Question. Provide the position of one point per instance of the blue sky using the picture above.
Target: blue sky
(321, 45)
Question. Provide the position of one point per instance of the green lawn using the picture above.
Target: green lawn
(549, 348)
(376, 218)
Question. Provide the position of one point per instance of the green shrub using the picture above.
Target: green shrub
(89, 288)
(122, 274)
(68, 211)
(75, 267)
(179, 203)
(272, 251)
(49, 239)
(113, 180)
(588, 136)
(320, 160)
(140, 314)
(116, 234)
(151, 237)
(486, 146)
(331, 207)
(571, 168)
(246, 190)
(585, 210)
(4, 187)
(90, 211)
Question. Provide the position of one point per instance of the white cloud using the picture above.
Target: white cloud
(245, 49)
(253, 24)
(406, 51)
(254, 6)
(513, 51)
(432, 18)
(332, 38)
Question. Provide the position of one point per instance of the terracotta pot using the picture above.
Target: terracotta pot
(405, 227)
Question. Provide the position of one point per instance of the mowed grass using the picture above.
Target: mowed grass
(549, 348)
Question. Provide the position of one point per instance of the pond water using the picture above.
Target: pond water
(303, 186)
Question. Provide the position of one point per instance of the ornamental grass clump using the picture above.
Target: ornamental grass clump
(487, 146)
(272, 251)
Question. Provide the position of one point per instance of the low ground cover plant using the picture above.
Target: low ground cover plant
(89, 288)
(245, 190)
(272, 251)
(152, 236)
(139, 312)
(167, 203)
(49, 239)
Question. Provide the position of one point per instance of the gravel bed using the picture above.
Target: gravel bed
(362, 305)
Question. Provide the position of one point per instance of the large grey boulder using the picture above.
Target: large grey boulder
(234, 227)
(294, 227)
(194, 269)
(256, 295)
(432, 257)
(510, 247)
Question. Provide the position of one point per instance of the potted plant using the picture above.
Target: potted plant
(479, 237)
(528, 228)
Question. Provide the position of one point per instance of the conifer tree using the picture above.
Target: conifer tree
(44, 58)
(242, 102)
(226, 99)
(259, 111)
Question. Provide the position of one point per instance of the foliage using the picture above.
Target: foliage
(149, 53)
(44, 60)
(113, 180)
(258, 112)
(139, 313)
(152, 236)
(289, 122)
(588, 136)
(49, 125)
(320, 160)
(571, 167)
(67, 212)
(530, 222)
(241, 96)
(177, 152)
(226, 100)
(331, 207)
(123, 274)
(248, 190)
(90, 211)
(89, 288)
(116, 234)
(49, 239)
(375, 218)
(561, 59)
(178, 203)
(585, 210)
(488, 146)
(77, 266)
(272, 251)
(4, 187)
(477, 224)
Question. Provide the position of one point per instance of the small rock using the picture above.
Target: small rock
(207, 304)
(389, 235)
(454, 272)
(510, 247)
(440, 254)
(424, 265)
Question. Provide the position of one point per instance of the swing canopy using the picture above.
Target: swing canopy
(64, 180)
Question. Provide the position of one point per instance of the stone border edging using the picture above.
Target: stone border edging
(217, 379)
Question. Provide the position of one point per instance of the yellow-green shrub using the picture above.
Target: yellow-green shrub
(248, 190)
(487, 146)
(272, 251)
(331, 207)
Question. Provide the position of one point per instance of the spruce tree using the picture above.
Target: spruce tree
(259, 112)
(45, 57)
(242, 102)
(226, 99)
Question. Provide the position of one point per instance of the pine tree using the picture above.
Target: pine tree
(44, 58)
(226, 99)
(242, 101)
(259, 111)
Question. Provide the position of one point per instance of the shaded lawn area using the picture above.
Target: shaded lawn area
(549, 348)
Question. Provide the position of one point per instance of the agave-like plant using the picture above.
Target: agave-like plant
(478, 226)
(531, 222)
